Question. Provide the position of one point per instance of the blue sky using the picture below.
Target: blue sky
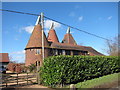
(100, 18)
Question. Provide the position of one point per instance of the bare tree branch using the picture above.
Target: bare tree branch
(113, 46)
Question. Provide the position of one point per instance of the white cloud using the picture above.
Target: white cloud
(28, 29)
(48, 24)
(80, 18)
(71, 14)
(18, 52)
(109, 18)
(19, 57)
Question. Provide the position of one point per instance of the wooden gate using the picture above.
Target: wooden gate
(11, 80)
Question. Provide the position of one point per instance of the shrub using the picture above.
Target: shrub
(58, 70)
(32, 68)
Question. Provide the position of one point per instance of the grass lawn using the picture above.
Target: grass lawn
(98, 81)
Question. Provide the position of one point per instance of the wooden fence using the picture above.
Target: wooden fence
(8, 80)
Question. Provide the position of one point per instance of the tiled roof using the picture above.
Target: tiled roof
(4, 57)
(93, 51)
(69, 39)
(68, 42)
(52, 36)
(66, 46)
(36, 38)
(75, 47)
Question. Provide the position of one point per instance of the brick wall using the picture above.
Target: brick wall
(32, 57)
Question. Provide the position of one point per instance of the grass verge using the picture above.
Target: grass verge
(98, 81)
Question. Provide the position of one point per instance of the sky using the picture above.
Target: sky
(99, 18)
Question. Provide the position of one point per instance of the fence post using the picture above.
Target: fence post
(27, 78)
(17, 78)
(6, 80)
(38, 76)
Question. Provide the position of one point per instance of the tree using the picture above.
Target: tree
(113, 46)
(11, 59)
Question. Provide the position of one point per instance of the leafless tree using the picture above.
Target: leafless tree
(11, 59)
(113, 46)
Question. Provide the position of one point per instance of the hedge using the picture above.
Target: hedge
(58, 70)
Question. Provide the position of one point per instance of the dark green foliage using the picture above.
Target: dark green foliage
(58, 70)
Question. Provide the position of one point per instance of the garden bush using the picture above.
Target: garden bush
(32, 68)
(58, 70)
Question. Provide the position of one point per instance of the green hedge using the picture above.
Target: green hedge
(58, 70)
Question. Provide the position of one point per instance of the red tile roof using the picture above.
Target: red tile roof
(36, 38)
(52, 36)
(93, 52)
(69, 39)
(67, 46)
(4, 57)
(68, 42)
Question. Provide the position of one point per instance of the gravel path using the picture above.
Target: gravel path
(33, 86)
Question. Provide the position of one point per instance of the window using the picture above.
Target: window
(83, 53)
(31, 49)
(67, 52)
(37, 63)
(51, 52)
(59, 52)
(75, 53)
(38, 51)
